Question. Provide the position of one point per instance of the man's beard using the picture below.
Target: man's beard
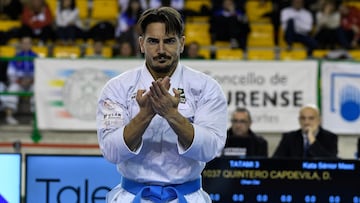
(162, 69)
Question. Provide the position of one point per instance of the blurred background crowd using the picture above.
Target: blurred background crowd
(251, 29)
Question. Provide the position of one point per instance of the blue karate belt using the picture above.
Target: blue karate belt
(158, 193)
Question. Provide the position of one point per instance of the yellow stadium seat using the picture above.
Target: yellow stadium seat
(206, 53)
(83, 7)
(260, 54)
(6, 25)
(355, 54)
(109, 42)
(255, 10)
(261, 35)
(42, 51)
(353, 3)
(66, 51)
(222, 44)
(105, 10)
(229, 54)
(198, 32)
(299, 54)
(320, 53)
(7, 51)
(106, 51)
(13, 41)
(204, 40)
(195, 5)
(197, 19)
(199, 27)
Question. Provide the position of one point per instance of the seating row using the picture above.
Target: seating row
(220, 53)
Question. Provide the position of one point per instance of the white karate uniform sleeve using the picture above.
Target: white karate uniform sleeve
(112, 117)
(209, 124)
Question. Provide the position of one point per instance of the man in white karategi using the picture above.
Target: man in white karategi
(161, 122)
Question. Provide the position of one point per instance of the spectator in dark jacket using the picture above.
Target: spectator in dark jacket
(241, 140)
(310, 141)
(230, 24)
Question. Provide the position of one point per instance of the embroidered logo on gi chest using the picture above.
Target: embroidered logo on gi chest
(182, 95)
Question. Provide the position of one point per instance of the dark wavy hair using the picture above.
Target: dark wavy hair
(167, 15)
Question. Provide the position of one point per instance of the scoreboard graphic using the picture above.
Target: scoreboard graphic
(230, 180)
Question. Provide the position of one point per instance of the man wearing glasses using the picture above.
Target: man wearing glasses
(241, 140)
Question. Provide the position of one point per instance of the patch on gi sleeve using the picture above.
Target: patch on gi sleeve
(113, 114)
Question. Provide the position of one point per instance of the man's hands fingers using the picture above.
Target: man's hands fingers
(160, 87)
(166, 83)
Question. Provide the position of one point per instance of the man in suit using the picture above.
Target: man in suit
(241, 140)
(311, 141)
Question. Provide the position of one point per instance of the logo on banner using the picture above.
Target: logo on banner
(81, 91)
(350, 103)
(347, 103)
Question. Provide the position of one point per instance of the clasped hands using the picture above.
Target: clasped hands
(158, 100)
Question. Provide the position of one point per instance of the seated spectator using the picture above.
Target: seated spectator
(68, 23)
(123, 5)
(125, 50)
(192, 51)
(103, 31)
(241, 140)
(239, 4)
(297, 24)
(20, 73)
(274, 15)
(315, 6)
(350, 24)
(37, 21)
(310, 141)
(328, 33)
(98, 50)
(10, 9)
(125, 28)
(230, 24)
(279, 5)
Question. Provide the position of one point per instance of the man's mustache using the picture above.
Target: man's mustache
(162, 56)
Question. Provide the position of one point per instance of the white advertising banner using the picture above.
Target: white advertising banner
(341, 97)
(67, 90)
